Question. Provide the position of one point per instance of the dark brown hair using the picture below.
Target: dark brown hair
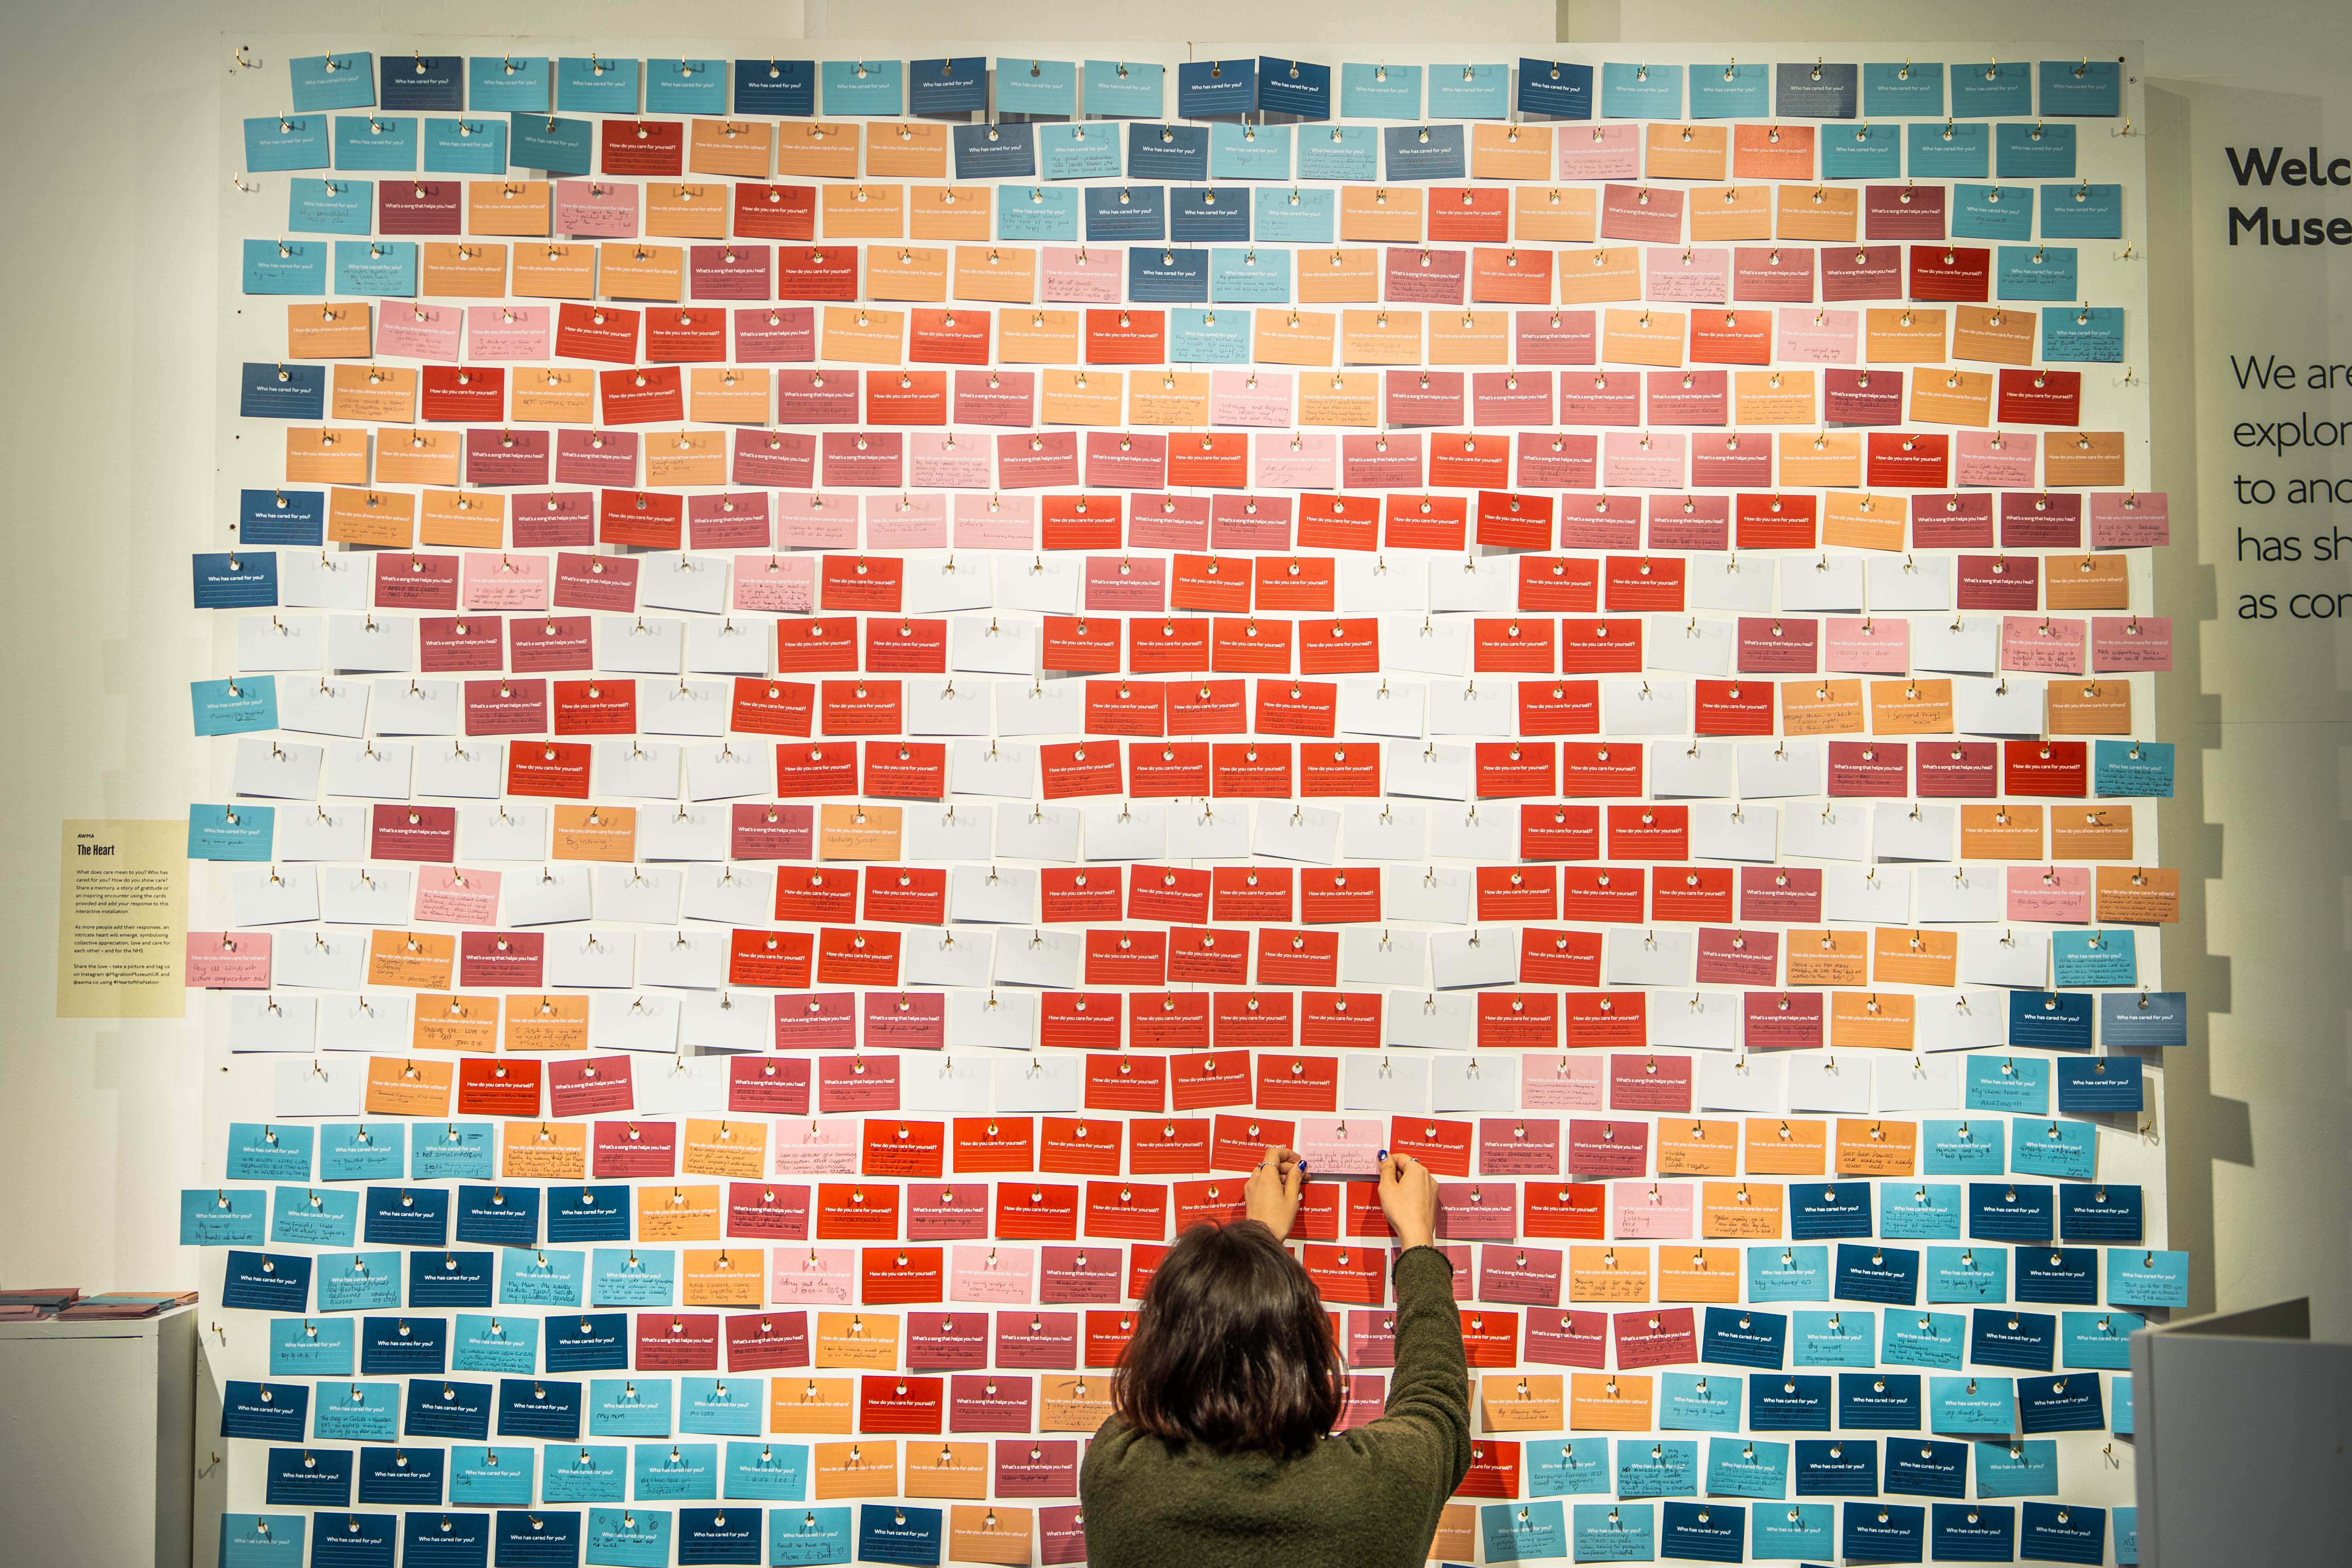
(1232, 1348)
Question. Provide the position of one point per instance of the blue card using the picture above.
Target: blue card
(346, 81)
(487, 1342)
(2039, 272)
(314, 1216)
(421, 81)
(1977, 1147)
(1384, 91)
(1554, 88)
(897, 1533)
(375, 143)
(283, 517)
(996, 152)
(285, 267)
(1612, 1532)
(1297, 217)
(330, 206)
(439, 1408)
(1805, 1530)
(534, 1537)
(2092, 334)
(1961, 1274)
(390, 1346)
(1079, 152)
(1742, 1467)
(465, 147)
(396, 1476)
(279, 391)
(1911, 90)
(1878, 1401)
(221, 1217)
(1126, 212)
(1924, 1468)
(766, 1472)
(1243, 276)
(1955, 150)
(946, 86)
(377, 1151)
(1886, 1275)
(595, 85)
(384, 269)
(440, 1278)
(2140, 1277)
(1730, 92)
(679, 86)
(543, 1408)
(2025, 1468)
(598, 1473)
(1843, 1467)
(1971, 1532)
(1206, 89)
(1295, 87)
(2098, 1341)
(1789, 1403)
(2120, 1418)
(1411, 152)
(2022, 1341)
(631, 1538)
(1787, 1273)
(2132, 768)
(1829, 1210)
(267, 1281)
(1198, 214)
(1466, 91)
(235, 579)
(1742, 1336)
(1205, 337)
(1822, 90)
(1249, 152)
(1340, 152)
(1575, 1467)
(1516, 1532)
(1865, 152)
(1992, 88)
(2090, 1085)
(446, 1540)
(261, 1541)
(776, 87)
(1689, 1403)
(1168, 151)
(358, 1411)
(588, 1213)
(2010, 1083)
(2127, 1522)
(306, 1478)
(1036, 212)
(1703, 1532)
(2061, 1532)
(590, 1341)
(482, 1476)
(2040, 151)
(2066, 1150)
(231, 832)
(275, 1412)
(498, 1215)
(621, 1406)
(1640, 91)
(358, 1281)
(508, 84)
(1160, 275)
(2085, 87)
(1919, 1211)
(1843, 1338)
(2011, 1212)
(551, 144)
(268, 1150)
(448, 1150)
(723, 1406)
(1882, 1533)
(2067, 1403)
(626, 1276)
(674, 1472)
(1991, 212)
(1036, 86)
(235, 706)
(2048, 1020)
(1936, 1339)
(2094, 958)
(1124, 90)
(2082, 211)
(280, 142)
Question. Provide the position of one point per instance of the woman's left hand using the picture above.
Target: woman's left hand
(1271, 1194)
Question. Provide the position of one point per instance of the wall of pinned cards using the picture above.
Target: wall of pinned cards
(843, 683)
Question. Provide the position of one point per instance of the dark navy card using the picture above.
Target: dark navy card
(893, 1532)
(1789, 1403)
(2025, 1342)
(1423, 152)
(2011, 1212)
(587, 1213)
(1882, 1533)
(1972, 1532)
(1879, 1400)
(2089, 1085)
(938, 86)
(1744, 1337)
(1160, 275)
(439, 1408)
(406, 1217)
(999, 151)
(2058, 1276)
(534, 1537)
(444, 1540)
(2050, 1020)
(2061, 1532)
(421, 81)
(731, 1534)
(273, 1412)
(1166, 151)
(307, 1478)
(1209, 212)
(236, 579)
(1206, 89)
(267, 1281)
(1126, 212)
(1925, 1468)
(1294, 87)
(270, 391)
(1886, 1275)
(498, 1215)
(352, 1539)
(2069, 1401)
(390, 1346)
(446, 1278)
(402, 1478)
(587, 1342)
(782, 88)
(1827, 1211)
(2100, 1211)
(1843, 1467)
(1821, 91)
(282, 517)
(1707, 1531)
(1555, 88)
(538, 1407)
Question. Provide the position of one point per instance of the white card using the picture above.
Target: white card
(732, 644)
(274, 895)
(1962, 896)
(1873, 895)
(551, 895)
(942, 1083)
(729, 894)
(1466, 832)
(1919, 830)
(368, 642)
(592, 959)
(318, 1087)
(1040, 707)
(371, 769)
(465, 769)
(1825, 583)
(1429, 770)
(1037, 584)
(1429, 894)
(1698, 1020)
(320, 961)
(1743, 1081)
(1741, 832)
(1771, 770)
(1914, 583)
(1688, 644)
(640, 644)
(1041, 1086)
(380, 1023)
(415, 705)
(1033, 830)
(992, 644)
(1039, 956)
(2010, 955)
(1367, 584)
(687, 958)
(1647, 956)
(695, 832)
(376, 895)
(682, 1085)
(267, 1021)
(323, 706)
(639, 895)
(1730, 581)
(2009, 705)
(1838, 1084)
(503, 830)
(726, 1021)
(636, 769)
(1483, 955)
(679, 580)
(1974, 1020)
(1966, 644)
(633, 1021)
(1205, 830)
(1397, 1085)
(1372, 705)
(687, 707)
(993, 1020)
(720, 770)
(1460, 1083)
(1430, 1020)
(273, 769)
(1118, 829)
(1918, 1083)
(956, 956)
(949, 832)
(1422, 645)
(1646, 706)
(1699, 768)
(307, 580)
(993, 894)
(1383, 955)
(1466, 707)
(1465, 585)
(938, 705)
(933, 584)
(1305, 833)
(1383, 830)
(1836, 830)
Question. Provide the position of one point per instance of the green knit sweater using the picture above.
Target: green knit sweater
(1366, 1498)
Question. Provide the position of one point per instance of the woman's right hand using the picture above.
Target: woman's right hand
(1409, 1198)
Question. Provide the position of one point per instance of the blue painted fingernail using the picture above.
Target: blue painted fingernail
(1383, 1154)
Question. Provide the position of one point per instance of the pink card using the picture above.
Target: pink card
(812, 1276)
(996, 523)
(1476, 1211)
(1524, 1275)
(2003, 458)
(228, 960)
(1126, 584)
(1645, 459)
(498, 580)
(1648, 1081)
(908, 521)
(778, 584)
(999, 1274)
(601, 209)
(942, 1341)
(1734, 956)
(1170, 522)
(2129, 520)
(937, 460)
(451, 895)
(1298, 461)
(1337, 1146)
(857, 1083)
(1653, 214)
(2043, 644)
(1866, 645)
(1250, 396)
(1093, 1273)
(1365, 1400)
(1561, 1083)
(816, 520)
(1518, 1146)
(945, 1211)
(1372, 1338)
(410, 330)
(812, 1147)
(1655, 1336)
(1806, 334)
(1072, 275)
(2048, 893)
(1650, 1211)
(731, 519)
(1692, 275)
(1603, 152)
(2130, 642)
(1045, 1342)
(507, 331)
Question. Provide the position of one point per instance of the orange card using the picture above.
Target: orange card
(401, 1086)
(1830, 213)
(1381, 212)
(1741, 1211)
(1872, 1020)
(864, 212)
(1736, 211)
(1820, 706)
(1873, 1146)
(544, 1151)
(949, 211)
(1555, 215)
(1610, 1402)
(1787, 1146)
(1912, 706)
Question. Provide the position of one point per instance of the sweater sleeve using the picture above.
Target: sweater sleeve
(1429, 1397)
